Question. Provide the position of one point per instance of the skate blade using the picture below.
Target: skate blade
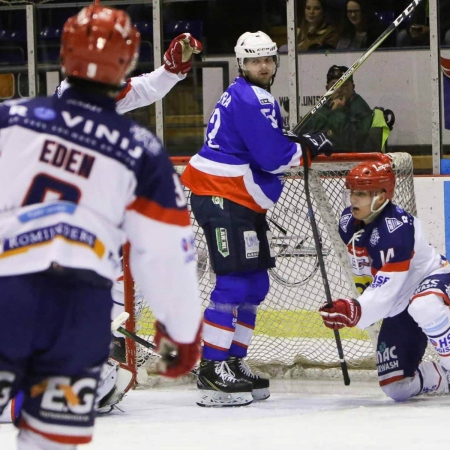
(217, 399)
(260, 394)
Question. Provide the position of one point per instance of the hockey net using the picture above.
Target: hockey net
(289, 330)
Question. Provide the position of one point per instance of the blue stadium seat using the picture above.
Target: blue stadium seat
(176, 27)
(146, 52)
(48, 53)
(145, 28)
(386, 17)
(10, 55)
(50, 34)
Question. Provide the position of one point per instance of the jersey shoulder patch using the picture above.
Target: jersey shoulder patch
(264, 97)
(392, 224)
(344, 220)
(145, 137)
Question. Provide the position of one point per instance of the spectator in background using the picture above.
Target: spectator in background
(346, 118)
(417, 33)
(360, 27)
(316, 30)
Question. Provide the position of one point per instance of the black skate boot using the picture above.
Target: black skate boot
(219, 387)
(242, 370)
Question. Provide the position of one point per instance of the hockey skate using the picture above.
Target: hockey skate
(242, 370)
(219, 387)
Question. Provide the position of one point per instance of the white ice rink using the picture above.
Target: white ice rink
(300, 415)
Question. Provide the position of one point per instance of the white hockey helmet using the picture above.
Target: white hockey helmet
(255, 45)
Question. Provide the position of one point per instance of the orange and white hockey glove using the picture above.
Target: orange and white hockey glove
(178, 57)
(176, 359)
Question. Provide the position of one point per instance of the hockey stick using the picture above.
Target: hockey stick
(116, 325)
(356, 65)
(323, 271)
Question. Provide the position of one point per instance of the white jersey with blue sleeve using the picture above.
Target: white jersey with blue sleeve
(77, 180)
(389, 258)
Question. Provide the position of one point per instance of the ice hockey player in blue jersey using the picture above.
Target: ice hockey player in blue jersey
(77, 181)
(235, 178)
(403, 281)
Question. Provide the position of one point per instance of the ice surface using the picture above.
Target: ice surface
(300, 415)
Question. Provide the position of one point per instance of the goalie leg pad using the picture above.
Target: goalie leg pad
(115, 381)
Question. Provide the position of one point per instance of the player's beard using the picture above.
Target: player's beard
(261, 80)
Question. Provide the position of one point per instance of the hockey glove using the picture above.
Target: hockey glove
(176, 359)
(178, 57)
(316, 143)
(313, 143)
(345, 312)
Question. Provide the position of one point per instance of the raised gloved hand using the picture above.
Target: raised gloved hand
(178, 57)
(176, 359)
(345, 312)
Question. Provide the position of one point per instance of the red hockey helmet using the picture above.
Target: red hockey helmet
(99, 44)
(372, 176)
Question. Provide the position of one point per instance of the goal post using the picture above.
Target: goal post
(289, 330)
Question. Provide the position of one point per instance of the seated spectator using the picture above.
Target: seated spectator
(346, 118)
(418, 31)
(360, 27)
(316, 32)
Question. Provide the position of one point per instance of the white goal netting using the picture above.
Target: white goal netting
(289, 330)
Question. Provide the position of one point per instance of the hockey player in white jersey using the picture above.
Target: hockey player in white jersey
(137, 92)
(150, 87)
(77, 181)
(403, 280)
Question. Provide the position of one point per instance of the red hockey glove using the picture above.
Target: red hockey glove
(176, 359)
(345, 312)
(178, 57)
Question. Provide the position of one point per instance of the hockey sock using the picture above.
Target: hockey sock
(218, 330)
(245, 326)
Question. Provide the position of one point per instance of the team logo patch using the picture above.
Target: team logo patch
(218, 201)
(344, 220)
(251, 244)
(150, 142)
(375, 237)
(393, 223)
(222, 242)
(264, 97)
(44, 113)
(188, 246)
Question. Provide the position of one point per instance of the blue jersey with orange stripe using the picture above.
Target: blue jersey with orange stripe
(389, 257)
(245, 152)
(77, 181)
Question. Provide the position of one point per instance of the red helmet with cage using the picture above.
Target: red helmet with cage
(372, 176)
(99, 44)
